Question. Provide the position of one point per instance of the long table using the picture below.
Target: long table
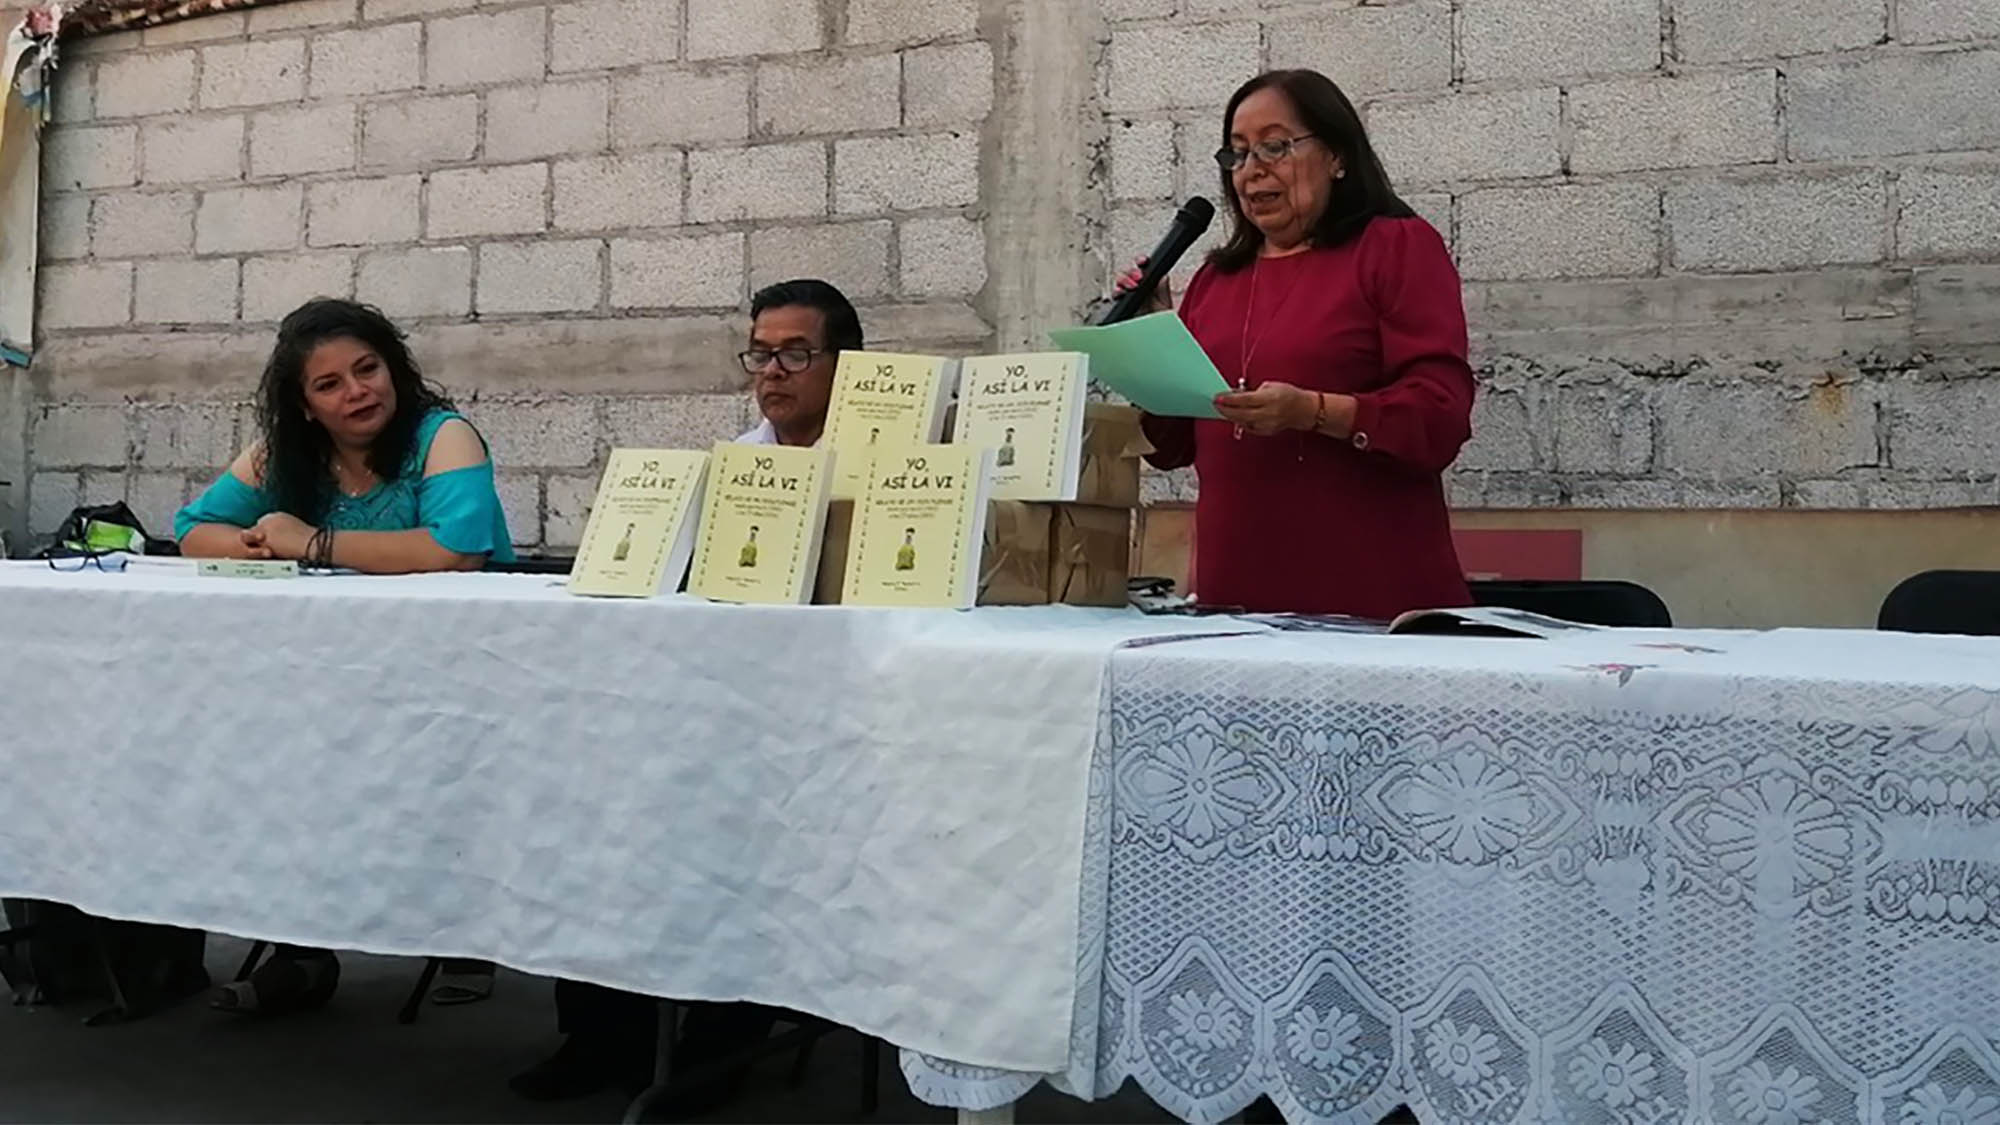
(1616, 876)
(870, 816)
(1629, 877)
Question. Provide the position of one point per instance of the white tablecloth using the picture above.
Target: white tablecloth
(873, 816)
(1616, 878)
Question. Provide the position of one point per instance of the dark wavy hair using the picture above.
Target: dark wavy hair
(297, 462)
(1358, 197)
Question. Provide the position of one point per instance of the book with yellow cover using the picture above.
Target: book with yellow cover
(642, 525)
(918, 528)
(1029, 410)
(762, 524)
(884, 400)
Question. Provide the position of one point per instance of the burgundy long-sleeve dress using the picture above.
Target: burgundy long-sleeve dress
(1305, 523)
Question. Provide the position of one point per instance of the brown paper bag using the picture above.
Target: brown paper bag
(1014, 562)
(1113, 445)
(833, 553)
(1092, 549)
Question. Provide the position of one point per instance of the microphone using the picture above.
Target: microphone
(1189, 223)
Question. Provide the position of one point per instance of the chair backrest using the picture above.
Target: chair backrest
(1612, 604)
(1966, 602)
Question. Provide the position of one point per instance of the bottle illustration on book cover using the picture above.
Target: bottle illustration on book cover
(873, 433)
(623, 550)
(748, 555)
(906, 555)
(1005, 455)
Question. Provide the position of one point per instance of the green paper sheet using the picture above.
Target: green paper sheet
(1151, 360)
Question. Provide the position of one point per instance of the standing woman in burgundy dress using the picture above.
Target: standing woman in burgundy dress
(1337, 312)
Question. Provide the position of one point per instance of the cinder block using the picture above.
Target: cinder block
(950, 85)
(476, 201)
(694, 271)
(606, 34)
(1949, 214)
(1683, 121)
(486, 49)
(240, 74)
(369, 212)
(745, 28)
(369, 60)
(400, 9)
(144, 85)
(51, 498)
(419, 281)
(294, 141)
(177, 436)
(1739, 430)
(567, 509)
(72, 96)
(1607, 230)
(1945, 425)
(1164, 67)
(786, 181)
(1704, 495)
(1142, 159)
(80, 436)
(248, 219)
(1946, 21)
(187, 291)
(557, 433)
(1120, 10)
(906, 173)
(129, 224)
(829, 95)
(1603, 429)
(1778, 223)
(303, 13)
(1370, 50)
(942, 257)
(521, 503)
(156, 498)
(1707, 31)
(540, 277)
(420, 132)
(1891, 104)
(274, 286)
(97, 156)
(611, 192)
(1506, 433)
(192, 150)
(553, 119)
(1540, 40)
(65, 227)
(1953, 308)
(910, 21)
(687, 421)
(85, 295)
(677, 107)
(1458, 137)
(854, 255)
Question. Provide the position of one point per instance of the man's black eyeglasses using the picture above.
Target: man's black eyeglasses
(791, 361)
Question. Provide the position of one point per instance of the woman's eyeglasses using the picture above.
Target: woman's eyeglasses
(1265, 152)
(791, 361)
(110, 564)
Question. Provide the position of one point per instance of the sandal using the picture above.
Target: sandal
(280, 986)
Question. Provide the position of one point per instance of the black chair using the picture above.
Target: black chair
(805, 1032)
(1963, 602)
(1618, 605)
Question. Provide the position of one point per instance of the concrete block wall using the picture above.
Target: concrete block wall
(1715, 254)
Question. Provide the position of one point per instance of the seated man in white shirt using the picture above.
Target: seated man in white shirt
(797, 331)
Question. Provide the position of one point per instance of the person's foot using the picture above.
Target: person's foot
(578, 1069)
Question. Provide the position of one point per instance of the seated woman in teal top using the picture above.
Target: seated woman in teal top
(361, 463)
